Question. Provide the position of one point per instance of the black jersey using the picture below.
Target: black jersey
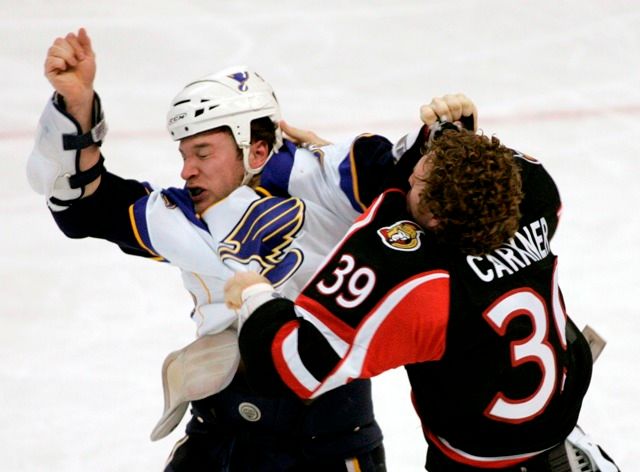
(497, 369)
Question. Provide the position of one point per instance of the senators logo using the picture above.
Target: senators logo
(403, 235)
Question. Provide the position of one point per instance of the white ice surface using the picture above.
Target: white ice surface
(84, 329)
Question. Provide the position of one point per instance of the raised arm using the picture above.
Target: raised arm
(65, 164)
(456, 108)
(346, 177)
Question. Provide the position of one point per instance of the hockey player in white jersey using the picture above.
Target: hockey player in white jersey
(227, 128)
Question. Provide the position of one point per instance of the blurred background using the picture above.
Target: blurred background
(84, 329)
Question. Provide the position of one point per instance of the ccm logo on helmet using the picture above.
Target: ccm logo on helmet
(176, 118)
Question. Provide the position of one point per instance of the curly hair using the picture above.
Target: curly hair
(474, 189)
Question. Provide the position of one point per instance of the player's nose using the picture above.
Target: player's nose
(189, 169)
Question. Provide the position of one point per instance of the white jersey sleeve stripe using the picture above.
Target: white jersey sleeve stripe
(140, 231)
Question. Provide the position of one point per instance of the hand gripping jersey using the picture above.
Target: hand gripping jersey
(283, 238)
(497, 370)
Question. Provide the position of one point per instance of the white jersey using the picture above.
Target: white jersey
(281, 237)
(284, 238)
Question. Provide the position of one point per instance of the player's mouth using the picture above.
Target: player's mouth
(198, 196)
(195, 191)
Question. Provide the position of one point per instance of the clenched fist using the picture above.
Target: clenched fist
(70, 67)
(454, 108)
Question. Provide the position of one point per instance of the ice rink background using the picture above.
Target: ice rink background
(84, 329)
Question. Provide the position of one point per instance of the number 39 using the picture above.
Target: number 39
(359, 286)
(535, 348)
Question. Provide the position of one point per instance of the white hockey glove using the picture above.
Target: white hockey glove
(203, 368)
(53, 166)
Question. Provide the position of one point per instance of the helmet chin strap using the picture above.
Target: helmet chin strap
(250, 172)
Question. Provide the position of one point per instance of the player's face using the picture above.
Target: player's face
(417, 181)
(212, 167)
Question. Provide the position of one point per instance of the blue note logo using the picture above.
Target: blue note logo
(262, 239)
(241, 78)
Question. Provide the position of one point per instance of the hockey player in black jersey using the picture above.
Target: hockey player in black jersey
(452, 277)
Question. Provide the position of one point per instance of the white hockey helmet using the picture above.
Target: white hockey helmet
(232, 97)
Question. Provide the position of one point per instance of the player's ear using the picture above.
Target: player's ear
(258, 153)
(433, 222)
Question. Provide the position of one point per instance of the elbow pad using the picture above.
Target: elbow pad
(53, 166)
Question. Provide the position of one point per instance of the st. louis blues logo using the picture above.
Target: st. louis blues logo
(261, 240)
(241, 78)
(403, 235)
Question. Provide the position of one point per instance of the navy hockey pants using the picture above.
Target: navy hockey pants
(238, 431)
